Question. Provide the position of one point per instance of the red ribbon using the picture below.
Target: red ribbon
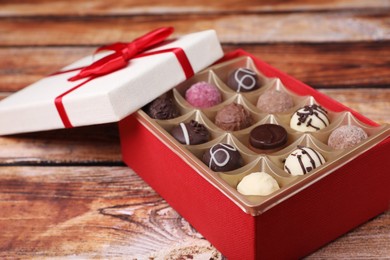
(123, 53)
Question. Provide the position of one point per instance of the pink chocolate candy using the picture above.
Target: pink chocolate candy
(203, 95)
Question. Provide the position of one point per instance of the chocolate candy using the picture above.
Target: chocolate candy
(346, 136)
(203, 95)
(257, 184)
(268, 136)
(309, 119)
(233, 117)
(243, 80)
(274, 101)
(191, 133)
(223, 157)
(162, 108)
(303, 160)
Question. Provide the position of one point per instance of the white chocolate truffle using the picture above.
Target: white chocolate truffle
(257, 183)
(303, 160)
(309, 119)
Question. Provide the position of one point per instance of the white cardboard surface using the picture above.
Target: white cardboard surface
(108, 98)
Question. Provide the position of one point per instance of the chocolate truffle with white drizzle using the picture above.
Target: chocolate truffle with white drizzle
(309, 119)
(223, 157)
(243, 80)
(191, 133)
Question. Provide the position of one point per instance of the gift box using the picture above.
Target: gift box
(305, 213)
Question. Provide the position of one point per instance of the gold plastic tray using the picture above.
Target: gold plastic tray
(272, 163)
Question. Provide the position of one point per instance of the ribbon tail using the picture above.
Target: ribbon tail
(152, 38)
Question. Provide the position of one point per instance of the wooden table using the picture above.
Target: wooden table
(67, 192)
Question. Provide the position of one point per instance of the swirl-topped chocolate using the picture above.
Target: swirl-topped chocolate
(309, 118)
(222, 157)
(243, 80)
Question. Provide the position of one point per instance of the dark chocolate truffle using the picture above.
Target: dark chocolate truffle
(162, 108)
(268, 136)
(222, 158)
(191, 133)
(233, 117)
(243, 80)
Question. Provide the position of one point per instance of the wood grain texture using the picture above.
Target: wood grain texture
(155, 7)
(330, 65)
(67, 194)
(47, 210)
(90, 145)
(232, 28)
(95, 212)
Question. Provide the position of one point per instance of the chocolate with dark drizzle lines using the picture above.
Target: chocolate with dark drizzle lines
(308, 111)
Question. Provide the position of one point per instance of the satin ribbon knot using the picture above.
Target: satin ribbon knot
(123, 53)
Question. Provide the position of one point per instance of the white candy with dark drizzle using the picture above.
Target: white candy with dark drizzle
(303, 160)
(309, 119)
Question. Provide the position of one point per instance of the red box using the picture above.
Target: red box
(298, 224)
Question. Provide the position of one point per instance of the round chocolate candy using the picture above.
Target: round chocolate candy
(222, 158)
(243, 80)
(233, 117)
(162, 108)
(203, 95)
(346, 136)
(257, 184)
(274, 101)
(303, 160)
(309, 119)
(268, 136)
(191, 133)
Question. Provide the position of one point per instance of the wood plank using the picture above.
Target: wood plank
(90, 145)
(231, 28)
(46, 210)
(328, 65)
(372, 103)
(139, 7)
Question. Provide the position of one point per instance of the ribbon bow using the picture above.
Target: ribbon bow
(123, 53)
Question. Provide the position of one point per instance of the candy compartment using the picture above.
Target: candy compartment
(271, 162)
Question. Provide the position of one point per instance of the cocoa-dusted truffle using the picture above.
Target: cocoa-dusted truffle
(309, 119)
(203, 95)
(233, 117)
(243, 80)
(274, 101)
(268, 136)
(162, 108)
(222, 158)
(303, 160)
(191, 133)
(346, 136)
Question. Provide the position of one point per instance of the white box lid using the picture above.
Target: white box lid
(107, 98)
